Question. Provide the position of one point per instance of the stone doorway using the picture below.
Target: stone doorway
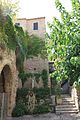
(5, 79)
(6, 89)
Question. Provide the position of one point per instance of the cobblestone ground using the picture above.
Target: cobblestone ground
(49, 116)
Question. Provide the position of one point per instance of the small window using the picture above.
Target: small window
(34, 68)
(17, 24)
(35, 26)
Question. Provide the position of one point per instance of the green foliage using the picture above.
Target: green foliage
(3, 36)
(45, 77)
(2, 19)
(64, 47)
(21, 48)
(41, 109)
(28, 46)
(19, 110)
(9, 7)
(36, 46)
(16, 39)
(75, 61)
(54, 82)
(42, 93)
(58, 90)
(37, 76)
(10, 32)
(21, 94)
(23, 76)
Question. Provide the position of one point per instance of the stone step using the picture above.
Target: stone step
(66, 109)
(68, 102)
(67, 99)
(64, 101)
(66, 96)
(69, 111)
(66, 106)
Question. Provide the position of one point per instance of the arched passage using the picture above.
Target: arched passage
(5, 85)
(5, 78)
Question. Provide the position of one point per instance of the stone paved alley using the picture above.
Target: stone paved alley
(49, 116)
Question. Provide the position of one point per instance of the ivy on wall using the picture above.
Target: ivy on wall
(24, 77)
(45, 77)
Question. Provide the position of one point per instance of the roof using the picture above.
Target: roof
(21, 19)
(31, 18)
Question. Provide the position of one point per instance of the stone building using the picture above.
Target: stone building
(34, 26)
(8, 80)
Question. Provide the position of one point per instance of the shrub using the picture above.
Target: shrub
(19, 110)
(41, 109)
(45, 77)
(22, 76)
(53, 91)
(58, 90)
(42, 93)
(22, 93)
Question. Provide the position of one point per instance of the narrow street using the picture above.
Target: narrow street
(49, 116)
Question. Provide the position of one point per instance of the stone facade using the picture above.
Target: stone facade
(28, 24)
(8, 68)
(36, 64)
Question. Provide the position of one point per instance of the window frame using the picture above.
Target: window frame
(35, 27)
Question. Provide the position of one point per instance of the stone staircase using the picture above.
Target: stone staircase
(67, 105)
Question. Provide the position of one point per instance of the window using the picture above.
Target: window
(17, 24)
(35, 26)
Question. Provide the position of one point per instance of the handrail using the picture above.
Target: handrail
(2, 107)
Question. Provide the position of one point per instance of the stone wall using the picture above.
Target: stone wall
(23, 23)
(41, 27)
(36, 65)
(8, 62)
(27, 25)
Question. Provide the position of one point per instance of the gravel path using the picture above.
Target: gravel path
(49, 116)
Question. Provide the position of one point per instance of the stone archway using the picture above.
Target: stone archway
(5, 79)
(8, 87)
(8, 77)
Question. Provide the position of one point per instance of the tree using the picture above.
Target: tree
(28, 47)
(65, 42)
(9, 7)
(10, 32)
(36, 46)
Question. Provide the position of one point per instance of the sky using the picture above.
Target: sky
(40, 8)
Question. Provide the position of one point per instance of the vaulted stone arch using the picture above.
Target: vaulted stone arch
(8, 78)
